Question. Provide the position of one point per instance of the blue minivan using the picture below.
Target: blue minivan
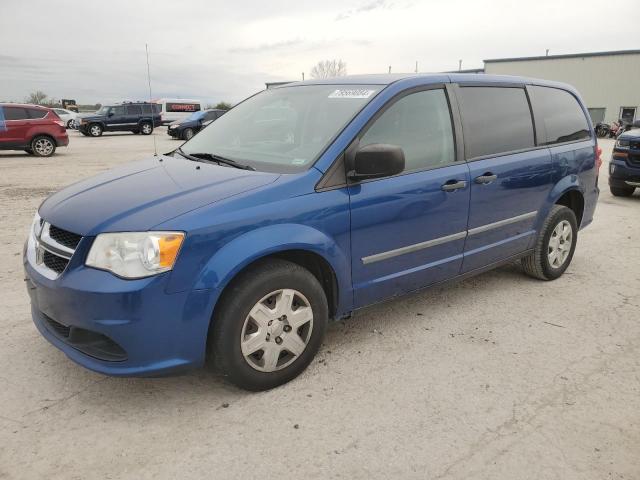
(303, 204)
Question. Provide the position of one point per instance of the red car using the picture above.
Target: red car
(36, 130)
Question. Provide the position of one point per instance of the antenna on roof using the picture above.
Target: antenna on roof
(155, 148)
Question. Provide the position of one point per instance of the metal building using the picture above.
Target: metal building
(609, 82)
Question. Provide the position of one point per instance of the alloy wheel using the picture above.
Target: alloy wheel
(43, 147)
(560, 244)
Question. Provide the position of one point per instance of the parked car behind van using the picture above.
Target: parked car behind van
(67, 116)
(173, 109)
(135, 117)
(244, 242)
(34, 129)
(624, 168)
(188, 127)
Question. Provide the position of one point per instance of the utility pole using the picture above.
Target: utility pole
(303, 76)
(416, 66)
(459, 65)
(389, 68)
(547, 54)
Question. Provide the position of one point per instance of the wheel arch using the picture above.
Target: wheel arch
(300, 244)
(569, 192)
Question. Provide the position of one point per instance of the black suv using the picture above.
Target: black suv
(136, 117)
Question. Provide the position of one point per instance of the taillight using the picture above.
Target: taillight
(59, 122)
(598, 152)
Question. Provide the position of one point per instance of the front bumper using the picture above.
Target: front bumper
(621, 174)
(119, 327)
(174, 132)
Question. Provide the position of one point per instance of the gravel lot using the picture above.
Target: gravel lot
(498, 377)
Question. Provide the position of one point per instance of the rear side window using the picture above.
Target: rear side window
(36, 113)
(15, 113)
(495, 120)
(134, 110)
(420, 124)
(559, 115)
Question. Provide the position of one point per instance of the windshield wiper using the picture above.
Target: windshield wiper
(210, 157)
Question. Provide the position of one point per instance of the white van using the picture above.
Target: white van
(172, 109)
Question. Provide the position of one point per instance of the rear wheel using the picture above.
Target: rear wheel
(622, 191)
(269, 325)
(555, 245)
(146, 128)
(95, 129)
(187, 134)
(43, 146)
(70, 123)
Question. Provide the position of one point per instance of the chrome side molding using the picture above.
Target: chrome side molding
(448, 238)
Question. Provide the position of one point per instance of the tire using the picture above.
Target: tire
(621, 191)
(95, 130)
(146, 128)
(43, 146)
(266, 285)
(70, 124)
(188, 134)
(539, 264)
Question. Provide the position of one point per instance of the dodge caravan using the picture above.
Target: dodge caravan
(303, 204)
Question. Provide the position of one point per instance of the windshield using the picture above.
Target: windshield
(284, 129)
(194, 116)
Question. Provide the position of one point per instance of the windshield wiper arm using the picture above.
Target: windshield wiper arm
(210, 157)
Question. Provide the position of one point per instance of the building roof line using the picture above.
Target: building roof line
(568, 55)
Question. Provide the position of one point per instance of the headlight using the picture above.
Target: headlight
(622, 143)
(36, 225)
(135, 254)
(172, 127)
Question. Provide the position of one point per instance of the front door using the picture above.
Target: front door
(408, 231)
(116, 118)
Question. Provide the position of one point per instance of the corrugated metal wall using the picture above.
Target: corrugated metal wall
(608, 81)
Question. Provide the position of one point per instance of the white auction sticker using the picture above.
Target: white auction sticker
(351, 93)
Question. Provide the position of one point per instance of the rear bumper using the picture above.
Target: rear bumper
(62, 141)
(119, 327)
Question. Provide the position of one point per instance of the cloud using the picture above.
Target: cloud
(367, 7)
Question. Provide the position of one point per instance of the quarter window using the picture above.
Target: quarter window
(559, 115)
(36, 113)
(419, 123)
(495, 120)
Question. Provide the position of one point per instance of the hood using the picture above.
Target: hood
(140, 195)
(630, 134)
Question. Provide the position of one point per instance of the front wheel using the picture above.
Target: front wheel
(621, 191)
(95, 129)
(269, 325)
(555, 245)
(187, 134)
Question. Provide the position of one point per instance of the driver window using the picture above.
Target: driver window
(420, 124)
(119, 110)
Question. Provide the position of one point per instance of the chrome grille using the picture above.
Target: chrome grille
(53, 248)
(64, 237)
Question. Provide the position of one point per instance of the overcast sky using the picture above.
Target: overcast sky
(94, 52)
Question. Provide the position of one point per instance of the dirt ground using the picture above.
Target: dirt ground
(498, 377)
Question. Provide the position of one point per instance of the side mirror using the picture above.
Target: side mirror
(377, 160)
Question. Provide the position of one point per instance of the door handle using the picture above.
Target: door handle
(488, 177)
(452, 185)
